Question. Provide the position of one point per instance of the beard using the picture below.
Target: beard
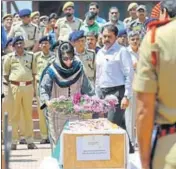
(94, 13)
(68, 14)
(114, 18)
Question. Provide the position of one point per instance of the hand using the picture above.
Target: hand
(124, 103)
(48, 103)
(135, 65)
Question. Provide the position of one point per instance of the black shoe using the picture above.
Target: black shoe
(23, 141)
(132, 150)
(13, 147)
(32, 146)
(43, 141)
(48, 141)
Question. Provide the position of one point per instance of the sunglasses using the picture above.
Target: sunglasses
(18, 43)
(133, 39)
(67, 58)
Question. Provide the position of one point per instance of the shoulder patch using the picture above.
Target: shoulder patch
(37, 54)
(34, 25)
(9, 55)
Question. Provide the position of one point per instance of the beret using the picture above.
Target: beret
(141, 7)
(7, 15)
(35, 13)
(16, 39)
(44, 38)
(24, 12)
(9, 40)
(132, 5)
(44, 17)
(53, 16)
(122, 32)
(68, 4)
(74, 36)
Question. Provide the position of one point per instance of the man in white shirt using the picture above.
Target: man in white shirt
(114, 73)
(130, 113)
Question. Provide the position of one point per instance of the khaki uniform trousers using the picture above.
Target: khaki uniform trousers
(171, 158)
(42, 119)
(7, 106)
(164, 150)
(22, 102)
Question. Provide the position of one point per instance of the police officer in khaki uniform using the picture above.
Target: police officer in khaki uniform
(19, 70)
(68, 24)
(7, 94)
(87, 56)
(29, 31)
(7, 22)
(156, 94)
(35, 18)
(42, 59)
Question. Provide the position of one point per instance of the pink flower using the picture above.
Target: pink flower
(76, 98)
(77, 108)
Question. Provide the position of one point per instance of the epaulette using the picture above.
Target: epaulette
(158, 23)
(153, 26)
(29, 53)
(60, 20)
(34, 25)
(9, 54)
(37, 54)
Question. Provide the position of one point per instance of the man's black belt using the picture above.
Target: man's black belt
(114, 88)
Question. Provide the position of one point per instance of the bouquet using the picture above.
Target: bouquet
(83, 104)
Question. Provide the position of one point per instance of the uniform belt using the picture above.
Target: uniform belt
(21, 83)
(166, 129)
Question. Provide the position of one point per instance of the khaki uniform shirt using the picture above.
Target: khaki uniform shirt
(88, 58)
(64, 28)
(29, 32)
(42, 61)
(159, 79)
(19, 68)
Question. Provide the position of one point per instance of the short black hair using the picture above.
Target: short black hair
(113, 7)
(92, 33)
(170, 6)
(94, 4)
(111, 28)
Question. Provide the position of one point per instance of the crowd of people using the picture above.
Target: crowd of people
(49, 56)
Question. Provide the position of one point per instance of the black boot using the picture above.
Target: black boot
(32, 146)
(23, 141)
